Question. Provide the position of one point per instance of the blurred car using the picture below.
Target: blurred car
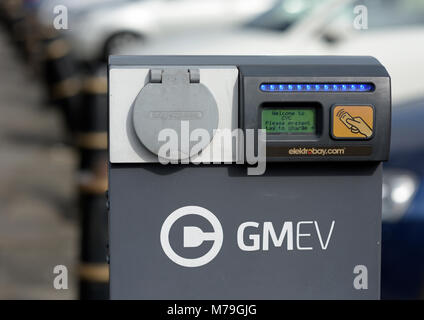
(96, 30)
(322, 27)
(403, 206)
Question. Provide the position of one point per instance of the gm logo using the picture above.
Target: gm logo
(193, 236)
(251, 236)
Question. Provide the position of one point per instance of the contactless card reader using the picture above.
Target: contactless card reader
(246, 177)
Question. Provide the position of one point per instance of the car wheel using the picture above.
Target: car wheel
(117, 41)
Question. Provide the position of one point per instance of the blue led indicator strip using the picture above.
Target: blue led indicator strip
(315, 87)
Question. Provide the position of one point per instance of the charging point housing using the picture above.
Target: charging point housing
(200, 227)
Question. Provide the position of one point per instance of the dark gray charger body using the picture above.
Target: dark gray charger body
(316, 190)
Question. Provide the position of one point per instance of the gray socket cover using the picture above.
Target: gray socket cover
(174, 95)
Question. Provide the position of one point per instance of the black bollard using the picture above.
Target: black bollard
(62, 77)
(91, 140)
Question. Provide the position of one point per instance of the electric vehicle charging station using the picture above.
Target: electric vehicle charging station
(308, 226)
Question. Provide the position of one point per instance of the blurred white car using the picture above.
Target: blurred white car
(395, 36)
(97, 30)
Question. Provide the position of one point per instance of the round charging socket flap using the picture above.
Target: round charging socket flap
(171, 109)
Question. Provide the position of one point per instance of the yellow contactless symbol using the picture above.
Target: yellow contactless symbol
(355, 122)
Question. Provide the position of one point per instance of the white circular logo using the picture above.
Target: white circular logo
(193, 236)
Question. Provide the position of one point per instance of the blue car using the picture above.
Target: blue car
(403, 206)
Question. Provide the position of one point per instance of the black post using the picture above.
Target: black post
(91, 140)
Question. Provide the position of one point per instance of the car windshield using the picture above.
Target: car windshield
(284, 14)
(382, 13)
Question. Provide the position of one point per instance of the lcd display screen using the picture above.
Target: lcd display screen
(289, 121)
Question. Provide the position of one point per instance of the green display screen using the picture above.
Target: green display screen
(290, 121)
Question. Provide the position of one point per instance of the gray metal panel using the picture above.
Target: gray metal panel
(309, 65)
(142, 197)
